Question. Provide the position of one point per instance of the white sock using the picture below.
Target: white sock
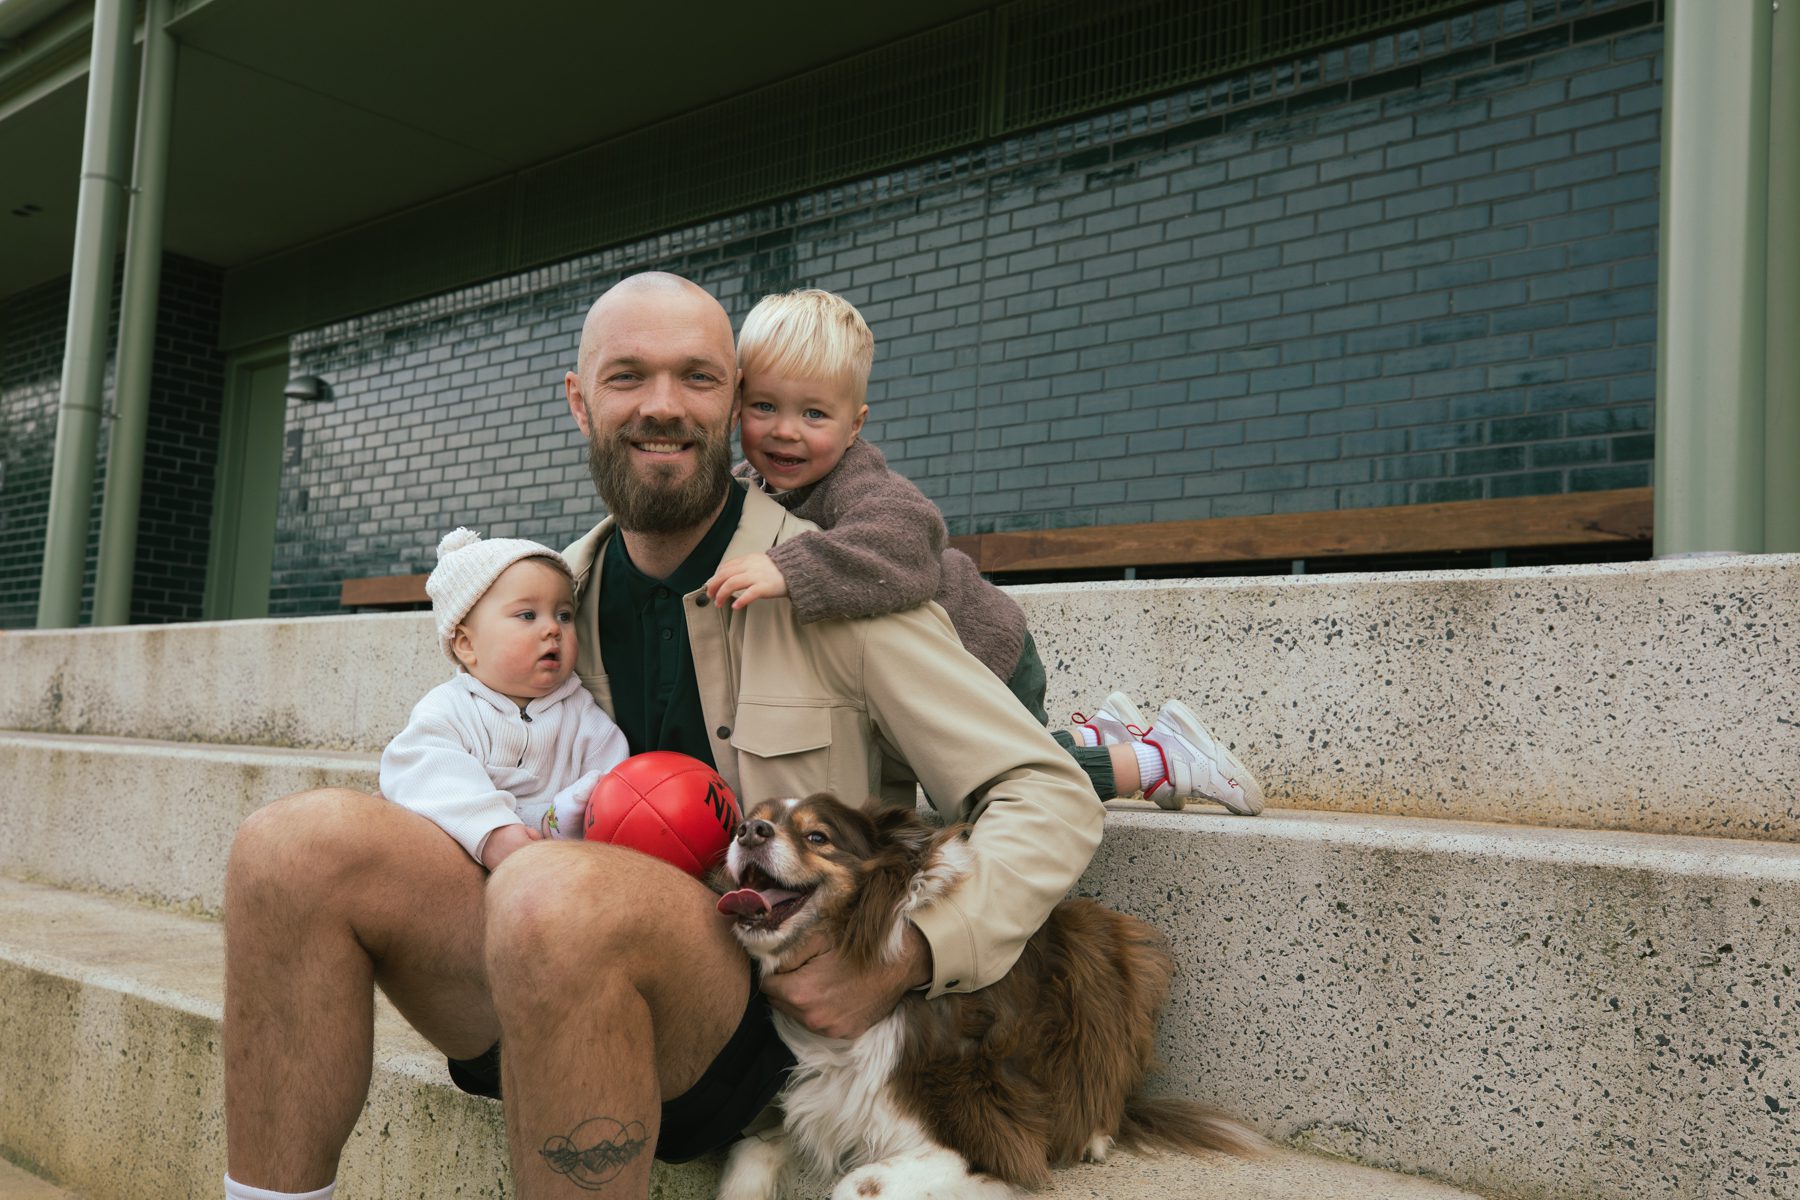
(239, 1191)
(1150, 767)
(1085, 736)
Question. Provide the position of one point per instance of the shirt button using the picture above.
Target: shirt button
(662, 593)
(724, 732)
(700, 600)
(667, 634)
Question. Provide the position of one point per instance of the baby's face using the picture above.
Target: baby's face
(795, 430)
(519, 639)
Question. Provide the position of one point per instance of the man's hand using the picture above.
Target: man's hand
(751, 577)
(504, 840)
(828, 998)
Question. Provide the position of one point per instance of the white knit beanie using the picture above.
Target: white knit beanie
(467, 567)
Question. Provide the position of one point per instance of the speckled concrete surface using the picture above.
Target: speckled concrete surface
(1529, 1012)
(1655, 697)
(1645, 696)
(19, 1184)
(144, 819)
(331, 683)
(109, 1044)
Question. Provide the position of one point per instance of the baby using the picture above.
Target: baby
(507, 751)
(882, 547)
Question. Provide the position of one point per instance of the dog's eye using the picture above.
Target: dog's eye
(817, 837)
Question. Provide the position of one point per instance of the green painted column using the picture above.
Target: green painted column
(1781, 466)
(90, 303)
(137, 324)
(1712, 329)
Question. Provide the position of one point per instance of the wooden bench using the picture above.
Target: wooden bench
(1574, 519)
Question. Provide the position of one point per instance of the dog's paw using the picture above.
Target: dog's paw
(754, 1169)
(935, 1174)
(1098, 1147)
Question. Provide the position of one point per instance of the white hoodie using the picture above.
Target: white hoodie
(471, 761)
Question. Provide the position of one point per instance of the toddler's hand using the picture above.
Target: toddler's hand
(751, 577)
(504, 840)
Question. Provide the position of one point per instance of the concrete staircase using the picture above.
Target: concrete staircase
(1520, 922)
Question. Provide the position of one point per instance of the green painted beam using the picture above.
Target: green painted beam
(104, 146)
(137, 324)
(1712, 313)
(1781, 512)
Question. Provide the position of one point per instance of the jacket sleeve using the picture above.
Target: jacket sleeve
(429, 770)
(879, 549)
(981, 758)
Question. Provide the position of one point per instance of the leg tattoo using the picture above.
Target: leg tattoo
(595, 1151)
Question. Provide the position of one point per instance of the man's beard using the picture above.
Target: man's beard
(659, 505)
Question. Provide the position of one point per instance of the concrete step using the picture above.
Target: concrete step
(110, 1032)
(1518, 1011)
(16, 1183)
(148, 820)
(1655, 697)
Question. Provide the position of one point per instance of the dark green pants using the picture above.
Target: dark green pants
(1028, 683)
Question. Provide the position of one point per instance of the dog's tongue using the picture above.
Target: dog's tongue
(748, 902)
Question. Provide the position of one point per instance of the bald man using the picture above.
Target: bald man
(597, 990)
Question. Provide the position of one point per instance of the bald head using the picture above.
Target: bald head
(653, 298)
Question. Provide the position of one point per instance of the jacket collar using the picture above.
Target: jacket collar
(505, 704)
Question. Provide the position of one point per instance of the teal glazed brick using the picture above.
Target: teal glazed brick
(1380, 215)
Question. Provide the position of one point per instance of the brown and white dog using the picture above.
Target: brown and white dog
(970, 1095)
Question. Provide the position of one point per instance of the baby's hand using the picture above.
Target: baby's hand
(748, 578)
(504, 840)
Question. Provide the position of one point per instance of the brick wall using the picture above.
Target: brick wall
(174, 523)
(1415, 269)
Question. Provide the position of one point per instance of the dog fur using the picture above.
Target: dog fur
(971, 1095)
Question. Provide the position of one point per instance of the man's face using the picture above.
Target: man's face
(656, 396)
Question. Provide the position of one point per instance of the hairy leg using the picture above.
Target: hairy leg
(617, 984)
(326, 894)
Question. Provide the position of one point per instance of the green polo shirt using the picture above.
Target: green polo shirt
(644, 645)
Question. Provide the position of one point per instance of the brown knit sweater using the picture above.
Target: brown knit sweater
(882, 547)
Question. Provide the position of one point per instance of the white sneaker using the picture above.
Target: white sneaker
(1197, 766)
(1116, 720)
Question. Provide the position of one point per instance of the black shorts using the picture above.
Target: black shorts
(739, 1084)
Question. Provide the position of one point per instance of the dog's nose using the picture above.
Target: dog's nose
(754, 833)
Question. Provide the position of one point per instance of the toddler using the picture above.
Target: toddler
(882, 547)
(507, 751)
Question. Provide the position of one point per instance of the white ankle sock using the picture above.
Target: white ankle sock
(239, 1191)
(1150, 767)
(1085, 736)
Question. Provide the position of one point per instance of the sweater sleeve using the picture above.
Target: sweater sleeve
(878, 550)
(429, 770)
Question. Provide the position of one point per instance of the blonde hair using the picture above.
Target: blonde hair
(808, 334)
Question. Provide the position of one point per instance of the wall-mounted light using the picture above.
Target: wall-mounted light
(307, 389)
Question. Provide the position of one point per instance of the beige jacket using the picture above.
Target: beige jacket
(796, 709)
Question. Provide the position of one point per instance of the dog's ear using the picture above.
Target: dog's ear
(903, 827)
(875, 923)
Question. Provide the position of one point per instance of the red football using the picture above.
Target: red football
(667, 805)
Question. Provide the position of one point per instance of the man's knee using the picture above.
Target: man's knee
(553, 905)
(303, 841)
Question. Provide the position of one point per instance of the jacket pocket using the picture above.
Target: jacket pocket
(777, 730)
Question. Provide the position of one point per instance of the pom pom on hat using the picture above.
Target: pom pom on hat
(467, 566)
(455, 540)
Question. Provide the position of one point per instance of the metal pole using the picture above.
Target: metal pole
(1711, 318)
(90, 304)
(1781, 511)
(137, 324)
